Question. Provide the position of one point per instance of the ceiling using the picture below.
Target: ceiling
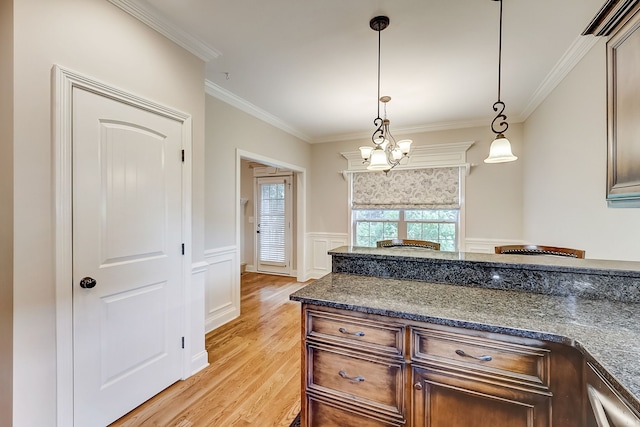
(310, 66)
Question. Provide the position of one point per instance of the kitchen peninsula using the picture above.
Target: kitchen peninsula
(414, 337)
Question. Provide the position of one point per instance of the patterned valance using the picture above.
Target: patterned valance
(434, 188)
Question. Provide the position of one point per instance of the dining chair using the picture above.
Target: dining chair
(539, 250)
(408, 243)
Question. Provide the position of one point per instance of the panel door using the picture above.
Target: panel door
(127, 246)
(273, 229)
(441, 399)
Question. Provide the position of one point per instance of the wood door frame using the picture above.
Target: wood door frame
(299, 174)
(63, 83)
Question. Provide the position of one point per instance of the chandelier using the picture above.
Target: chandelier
(500, 150)
(386, 153)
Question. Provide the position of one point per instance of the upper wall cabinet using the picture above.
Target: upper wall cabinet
(619, 20)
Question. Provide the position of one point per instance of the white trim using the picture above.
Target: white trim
(452, 154)
(63, 82)
(573, 55)
(232, 99)
(154, 19)
(301, 205)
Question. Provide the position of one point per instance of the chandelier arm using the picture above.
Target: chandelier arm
(378, 134)
(498, 107)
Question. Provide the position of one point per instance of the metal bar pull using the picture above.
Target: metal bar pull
(357, 379)
(344, 331)
(482, 358)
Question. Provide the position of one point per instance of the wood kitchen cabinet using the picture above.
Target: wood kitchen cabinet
(461, 380)
(368, 370)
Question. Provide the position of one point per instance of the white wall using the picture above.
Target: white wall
(97, 39)
(227, 130)
(493, 192)
(565, 161)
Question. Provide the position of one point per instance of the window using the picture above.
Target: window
(436, 225)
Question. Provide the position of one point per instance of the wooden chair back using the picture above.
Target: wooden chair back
(539, 250)
(408, 243)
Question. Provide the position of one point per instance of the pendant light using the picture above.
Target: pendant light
(500, 150)
(386, 153)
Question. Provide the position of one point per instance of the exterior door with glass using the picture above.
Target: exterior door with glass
(273, 228)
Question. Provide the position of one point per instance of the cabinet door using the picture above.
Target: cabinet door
(445, 399)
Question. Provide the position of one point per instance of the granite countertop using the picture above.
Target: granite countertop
(546, 263)
(607, 332)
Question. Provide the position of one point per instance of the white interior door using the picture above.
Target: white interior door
(273, 228)
(127, 246)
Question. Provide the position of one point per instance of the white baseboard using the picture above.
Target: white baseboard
(199, 362)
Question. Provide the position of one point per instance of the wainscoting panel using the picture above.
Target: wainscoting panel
(199, 357)
(487, 246)
(318, 244)
(222, 287)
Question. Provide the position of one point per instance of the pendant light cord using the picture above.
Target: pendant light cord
(499, 53)
(379, 42)
(499, 124)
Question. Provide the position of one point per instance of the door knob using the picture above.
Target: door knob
(88, 282)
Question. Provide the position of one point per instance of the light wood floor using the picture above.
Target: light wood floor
(253, 377)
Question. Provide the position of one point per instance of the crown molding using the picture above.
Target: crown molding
(154, 19)
(244, 105)
(410, 130)
(569, 60)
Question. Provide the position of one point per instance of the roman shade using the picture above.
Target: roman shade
(432, 188)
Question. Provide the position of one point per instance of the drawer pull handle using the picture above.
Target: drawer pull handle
(357, 379)
(417, 386)
(483, 358)
(344, 331)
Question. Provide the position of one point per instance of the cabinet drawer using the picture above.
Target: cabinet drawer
(371, 335)
(499, 360)
(357, 378)
(328, 414)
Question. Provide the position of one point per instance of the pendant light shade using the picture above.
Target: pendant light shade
(500, 150)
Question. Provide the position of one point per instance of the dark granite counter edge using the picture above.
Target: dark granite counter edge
(543, 336)
(495, 264)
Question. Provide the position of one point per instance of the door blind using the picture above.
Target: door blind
(272, 223)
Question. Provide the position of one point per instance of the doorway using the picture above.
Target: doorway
(247, 218)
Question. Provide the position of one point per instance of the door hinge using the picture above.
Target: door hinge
(182, 156)
(182, 342)
(183, 249)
